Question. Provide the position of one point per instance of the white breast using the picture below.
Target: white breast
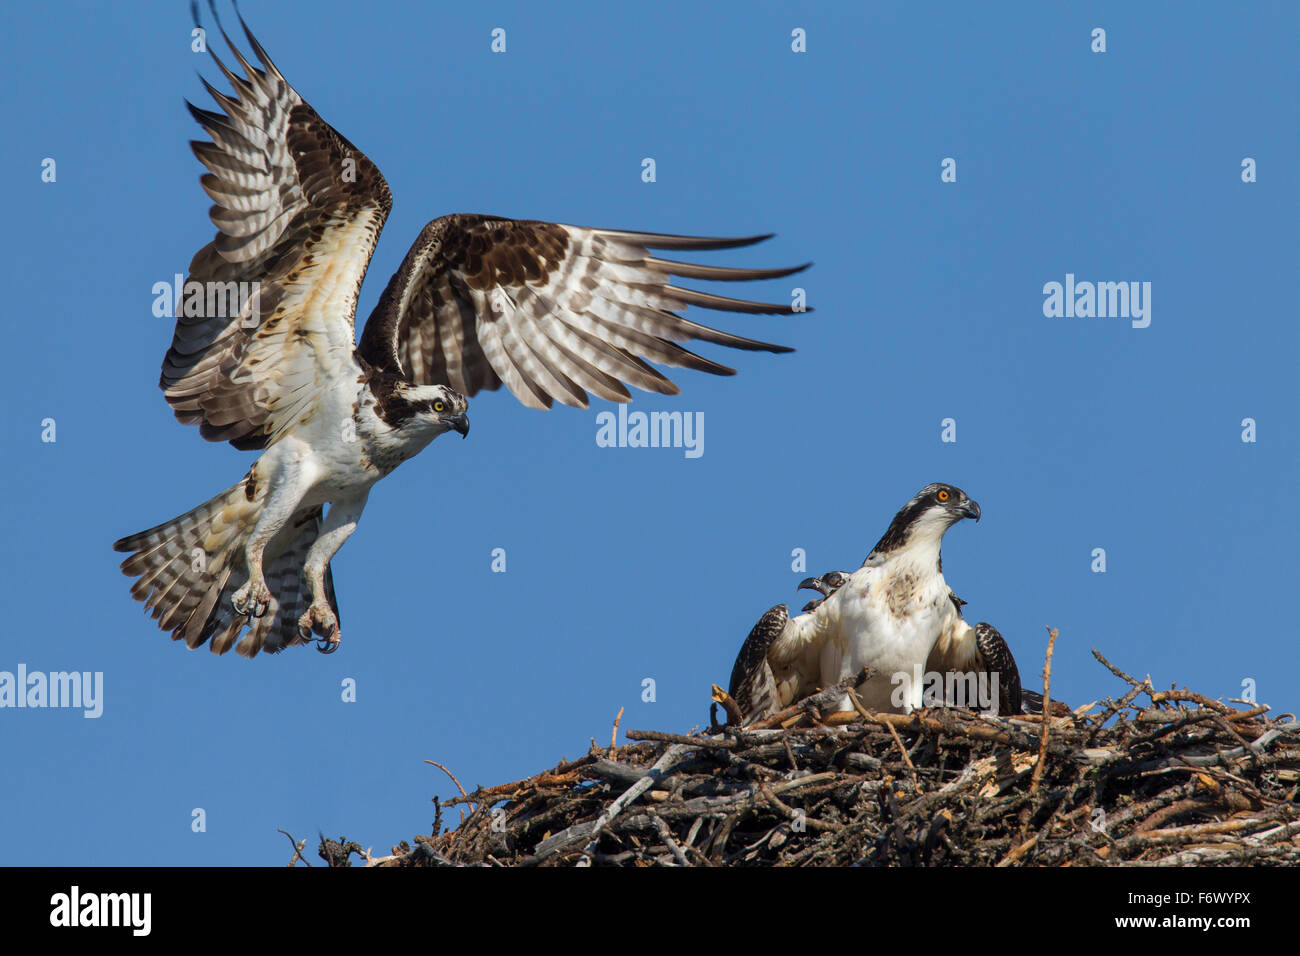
(887, 617)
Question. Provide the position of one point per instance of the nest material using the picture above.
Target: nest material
(1178, 780)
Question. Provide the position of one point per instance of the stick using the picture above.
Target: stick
(734, 716)
(297, 849)
(654, 775)
(1037, 777)
(613, 737)
(723, 743)
(450, 774)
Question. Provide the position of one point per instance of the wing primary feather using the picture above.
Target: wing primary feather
(258, 50)
(659, 240)
(656, 349)
(693, 270)
(725, 304)
(705, 333)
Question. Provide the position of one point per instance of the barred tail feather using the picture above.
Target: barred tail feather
(189, 568)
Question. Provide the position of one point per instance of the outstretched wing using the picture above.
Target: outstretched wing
(753, 684)
(298, 211)
(997, 659)
(554, 311)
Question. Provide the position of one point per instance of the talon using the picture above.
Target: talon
(319, 619)
(252, 600)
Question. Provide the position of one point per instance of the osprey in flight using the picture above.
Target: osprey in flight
(550, 310)
(895, 614)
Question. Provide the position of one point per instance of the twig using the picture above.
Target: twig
(666, 835)
(297, 849)
(734, 716)
(613, 737)
(1037, 777)
(906, 759)
(723, 743)
(450, 774)
(1132, 681)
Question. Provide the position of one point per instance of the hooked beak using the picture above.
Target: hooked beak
(971, 510)
(461, 424)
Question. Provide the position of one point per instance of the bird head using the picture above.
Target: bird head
(437, 407)
(924, 519)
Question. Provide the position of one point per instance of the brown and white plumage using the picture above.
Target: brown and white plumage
(762, 682)
(553, 311)
(289, 220)
(755, 685)
(886, 616)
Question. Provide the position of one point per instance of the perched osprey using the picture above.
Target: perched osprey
(889, 615)
(550, 310)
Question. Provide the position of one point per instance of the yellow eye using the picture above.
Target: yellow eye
(438, 406)
(943, 495)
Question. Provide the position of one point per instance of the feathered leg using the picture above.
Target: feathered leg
(286, 483)
(338, 526)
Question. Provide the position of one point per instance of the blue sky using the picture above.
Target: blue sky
(627, 564)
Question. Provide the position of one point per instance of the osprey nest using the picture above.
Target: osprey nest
(1152, 778)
